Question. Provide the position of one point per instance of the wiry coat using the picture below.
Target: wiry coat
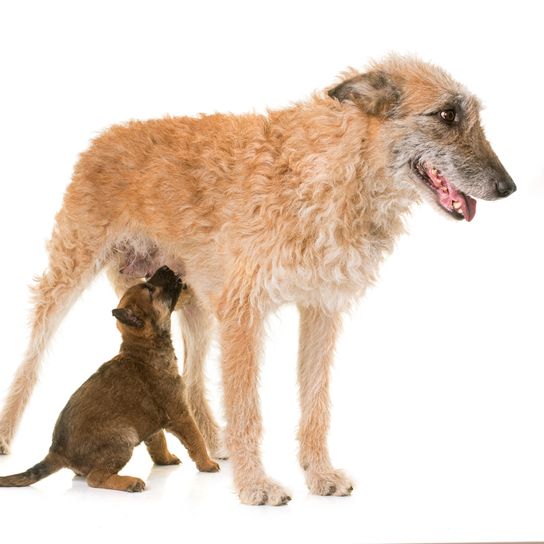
(279, 196)
(297, 206)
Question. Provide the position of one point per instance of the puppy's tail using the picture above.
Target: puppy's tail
(50, 464)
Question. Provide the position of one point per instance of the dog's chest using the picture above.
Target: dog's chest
(330, 276)
(335, 266)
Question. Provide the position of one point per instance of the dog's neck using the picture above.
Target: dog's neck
(348, 185)
(349, 204)
(156, 350)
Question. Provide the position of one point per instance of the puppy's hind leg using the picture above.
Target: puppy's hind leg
(105, 479)
(75, 255)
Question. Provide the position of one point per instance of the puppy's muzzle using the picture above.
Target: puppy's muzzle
(169, 282)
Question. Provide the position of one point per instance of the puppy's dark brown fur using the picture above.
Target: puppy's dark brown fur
(130, 399)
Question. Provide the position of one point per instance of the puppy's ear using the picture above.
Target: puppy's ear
(374, 92)
(128, 317)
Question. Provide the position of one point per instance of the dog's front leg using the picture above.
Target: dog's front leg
(318, 332)
(241, 331)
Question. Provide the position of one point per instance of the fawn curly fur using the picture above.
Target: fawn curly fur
(297, 206)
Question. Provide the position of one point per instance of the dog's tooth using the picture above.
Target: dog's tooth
(456, 205)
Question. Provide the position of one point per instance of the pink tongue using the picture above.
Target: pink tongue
(468, 204)
(470, 208)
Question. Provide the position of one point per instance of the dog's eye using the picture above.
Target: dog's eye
(449, 116)
(150, 288)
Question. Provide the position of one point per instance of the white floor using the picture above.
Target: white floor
(407, 502)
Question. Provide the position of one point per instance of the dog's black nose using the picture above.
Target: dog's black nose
(505, 187)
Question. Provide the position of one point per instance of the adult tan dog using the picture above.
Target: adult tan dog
(299, 206)
(130, 399)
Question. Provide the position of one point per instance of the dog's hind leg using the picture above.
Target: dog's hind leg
(318, 332)
(75, 255)
(120, 282)
(196, 328)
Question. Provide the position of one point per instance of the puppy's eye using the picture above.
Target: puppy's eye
(449, 116)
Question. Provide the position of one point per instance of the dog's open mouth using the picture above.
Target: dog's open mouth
(454, 201)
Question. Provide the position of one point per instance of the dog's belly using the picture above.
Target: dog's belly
(140, 257)
(134, 257)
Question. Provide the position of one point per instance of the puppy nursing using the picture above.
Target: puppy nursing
(299, 206)
(132, 398)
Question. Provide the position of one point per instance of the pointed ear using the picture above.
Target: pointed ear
(374, 92)
(128, 317)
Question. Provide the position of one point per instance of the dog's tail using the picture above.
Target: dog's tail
(50, 464)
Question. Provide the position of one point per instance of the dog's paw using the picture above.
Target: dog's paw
(329, 483)
(264, 492)
(4, 446)
(218, 449)
(208, 466)
(135, 486)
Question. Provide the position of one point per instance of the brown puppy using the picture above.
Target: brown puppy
(130, 399)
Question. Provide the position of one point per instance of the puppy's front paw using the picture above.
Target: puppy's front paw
(264, 492)
(209, 466)
(332, 482)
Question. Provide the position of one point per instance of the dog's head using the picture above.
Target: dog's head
(429, 127)
(145, 309)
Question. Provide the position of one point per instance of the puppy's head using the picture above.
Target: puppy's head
(145, 309)
(427, 131)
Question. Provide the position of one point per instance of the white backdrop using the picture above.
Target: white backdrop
(437, 407)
